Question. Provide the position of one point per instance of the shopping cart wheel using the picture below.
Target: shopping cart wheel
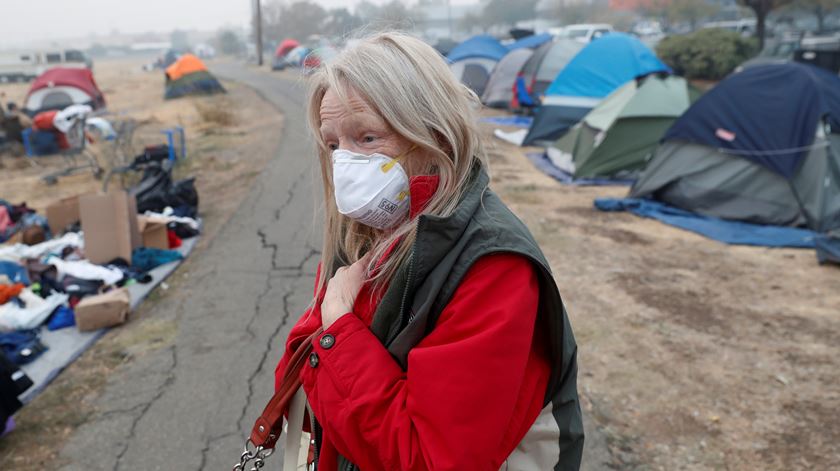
(50, 180)
(98, 173)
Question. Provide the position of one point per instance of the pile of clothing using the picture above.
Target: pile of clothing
(41, 284)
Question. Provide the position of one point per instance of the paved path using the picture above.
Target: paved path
(188, 406)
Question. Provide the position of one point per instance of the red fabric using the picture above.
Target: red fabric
(473, 386)
(43, 121)
(71, 77)
(285, 46)
(421, 188)
(5, 219)
(174, 240)
(8, 292)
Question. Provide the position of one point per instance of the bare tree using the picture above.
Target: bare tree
(505, 12)
(762, 8)
(229, 42)
(820, 8)
(689, 11)
(341, 22)
(298, 20)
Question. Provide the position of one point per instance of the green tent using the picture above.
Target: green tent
(617, 137)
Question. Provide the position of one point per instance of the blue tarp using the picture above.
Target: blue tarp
(518, 121)
(484, 46)
(533, 41)
(767, 113)
(604, 65)
(828, 249)
(544, 164)
(729, 232)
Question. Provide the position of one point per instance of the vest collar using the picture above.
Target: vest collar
(436, 234)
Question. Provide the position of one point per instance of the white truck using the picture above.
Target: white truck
(26, 65)
(584, 33)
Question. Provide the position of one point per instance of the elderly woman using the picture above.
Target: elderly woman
(445, 341)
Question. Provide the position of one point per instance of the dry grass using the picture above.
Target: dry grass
(219, 114)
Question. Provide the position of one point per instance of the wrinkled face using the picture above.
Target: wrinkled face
(356, 127)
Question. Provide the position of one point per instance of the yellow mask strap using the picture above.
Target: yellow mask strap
(386, 167)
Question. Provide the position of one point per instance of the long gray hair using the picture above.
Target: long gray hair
(411, 87)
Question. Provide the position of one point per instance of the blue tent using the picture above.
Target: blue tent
(761, 147)
(596, 71)
(775, 126)
(481, 46)
(531, 42)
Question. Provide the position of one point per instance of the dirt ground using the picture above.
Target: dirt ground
(693, 354)
(229, 137)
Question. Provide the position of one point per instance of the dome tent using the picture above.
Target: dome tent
(760, 147)
(617, 136)
(285, 46)
(60, 87)
(596, 71)
(189, 76)
(541, 69)
(499, 89)
(473, 60)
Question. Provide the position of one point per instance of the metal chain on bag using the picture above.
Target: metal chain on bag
(257, 455)
(267, 428)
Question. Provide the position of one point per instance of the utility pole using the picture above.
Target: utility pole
(449, 16)
(258, 29)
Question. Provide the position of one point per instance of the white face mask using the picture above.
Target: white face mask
(371, 189)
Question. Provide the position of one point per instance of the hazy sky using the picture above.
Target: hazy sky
(22, 21)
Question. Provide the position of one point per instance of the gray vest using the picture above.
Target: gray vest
(444, 251)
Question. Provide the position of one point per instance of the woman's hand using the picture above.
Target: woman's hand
(342, 291)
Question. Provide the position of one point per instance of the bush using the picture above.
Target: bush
(707, 54)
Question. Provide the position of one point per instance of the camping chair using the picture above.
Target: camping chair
(77, 140)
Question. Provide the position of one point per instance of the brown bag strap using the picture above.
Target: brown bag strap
(268, 426)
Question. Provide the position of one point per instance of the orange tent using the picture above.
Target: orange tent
(185, 65)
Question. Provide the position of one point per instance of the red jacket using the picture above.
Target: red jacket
(472, 389)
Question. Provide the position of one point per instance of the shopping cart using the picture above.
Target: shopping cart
(77, 158)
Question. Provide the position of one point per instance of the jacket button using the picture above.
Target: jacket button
(313, 359)
(327, 341)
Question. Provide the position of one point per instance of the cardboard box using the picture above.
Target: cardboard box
(62, 213)
(103, 310)
(153, 232)
(109, 223)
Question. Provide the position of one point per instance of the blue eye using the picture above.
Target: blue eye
(368, 139)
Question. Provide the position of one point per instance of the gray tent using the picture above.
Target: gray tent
(473, 72)
(713, 183)
(499, 90)
(544, 66)
(757, 148)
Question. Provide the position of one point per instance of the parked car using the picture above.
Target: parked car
(742, 27)
(582, 32)
(25, 66)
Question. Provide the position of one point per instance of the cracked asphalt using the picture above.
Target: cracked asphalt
(188, 406)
